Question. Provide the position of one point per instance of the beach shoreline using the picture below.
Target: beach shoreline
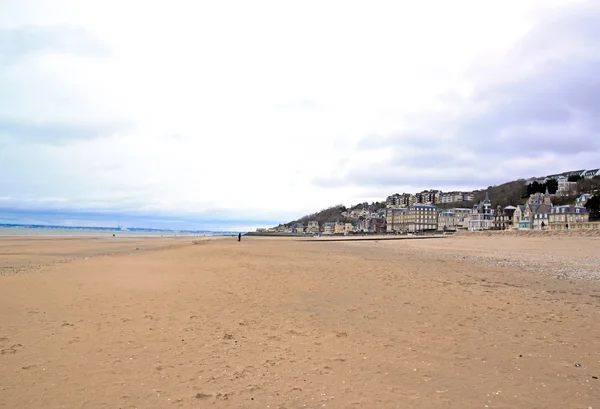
(454, 322)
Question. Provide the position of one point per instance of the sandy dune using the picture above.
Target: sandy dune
(275, 323)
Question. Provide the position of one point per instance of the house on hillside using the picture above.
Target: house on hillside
(539, 198)
(582, 200)
(566, 188)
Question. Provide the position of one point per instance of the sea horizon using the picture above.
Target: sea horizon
(132, 221)
(9, 229)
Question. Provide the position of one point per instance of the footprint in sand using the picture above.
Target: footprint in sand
(10, 350)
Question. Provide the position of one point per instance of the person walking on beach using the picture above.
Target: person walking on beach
(239, 236)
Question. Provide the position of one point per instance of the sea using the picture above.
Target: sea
(61, 231)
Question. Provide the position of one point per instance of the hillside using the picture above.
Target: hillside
(510, 193)
(331, 214)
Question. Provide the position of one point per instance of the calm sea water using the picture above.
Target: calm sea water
(57, 232)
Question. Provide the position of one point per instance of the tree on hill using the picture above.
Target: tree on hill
(574, 178)
(589, 185)
(535, 187)
(506, 194)
(593, 207)
(331, 214)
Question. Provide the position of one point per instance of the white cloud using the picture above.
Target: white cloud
(232, 108)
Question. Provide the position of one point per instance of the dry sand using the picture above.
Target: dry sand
(280, 323)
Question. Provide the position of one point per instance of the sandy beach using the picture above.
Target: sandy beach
(457, 322)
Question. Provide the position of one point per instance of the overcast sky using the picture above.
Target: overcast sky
(262, 111)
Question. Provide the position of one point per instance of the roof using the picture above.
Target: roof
(510, 208)
(570, 209)
(426, 206)
(543, 209)
(572, 172)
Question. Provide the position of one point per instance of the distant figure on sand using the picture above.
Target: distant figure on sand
(239, 236)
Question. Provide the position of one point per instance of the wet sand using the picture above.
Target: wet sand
(281, 323)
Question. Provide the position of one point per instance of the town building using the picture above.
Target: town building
(481, 217)
(400, 200)
(453, 219)
(339, 228)
(329, 228)
(539, 216)
(539, 198)
(456, 197)
(518, 216)
(566, 188)
(422, 217)
(298, 228)
(461, 218)
(524, 224)
(431, 197)
(503, 218)
(583, 199)
(378, 225)
(567, 216)
(396, 220)
(312, 227)
(446, 220)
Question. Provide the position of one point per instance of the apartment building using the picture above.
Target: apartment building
(567, 216)
(446, 220)
(565, 187)
(396, 220)
(400, 200)
(431, 197)
(456, 197)
(461, 218)
(422, 217)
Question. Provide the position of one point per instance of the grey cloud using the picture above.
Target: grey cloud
(554, 109)
(17, 43)
(55, 133)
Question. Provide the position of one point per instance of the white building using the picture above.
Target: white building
(482, 216)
